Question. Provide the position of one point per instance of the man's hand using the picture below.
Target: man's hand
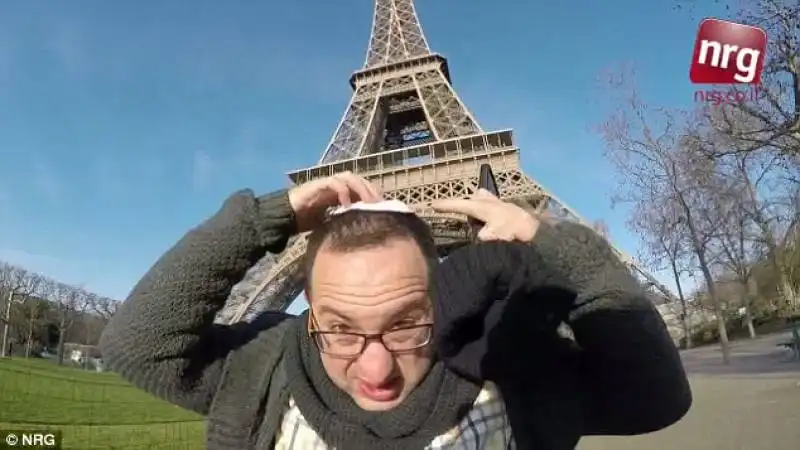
(310, 201)
(502, 221)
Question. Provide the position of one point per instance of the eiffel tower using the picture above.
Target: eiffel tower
(406, 130)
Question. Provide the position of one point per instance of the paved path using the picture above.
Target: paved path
(753, 404)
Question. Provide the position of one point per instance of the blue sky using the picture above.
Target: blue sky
(123, 124)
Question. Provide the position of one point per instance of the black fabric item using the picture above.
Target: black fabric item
(498, 306)
(439, 403)
(475, 287)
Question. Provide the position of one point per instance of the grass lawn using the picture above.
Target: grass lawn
(92, 410)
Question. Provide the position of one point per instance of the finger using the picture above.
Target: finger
(356, 190)
(342, 190)
(375, 190)
(506, 237)
(489, 234)
(358, 186)
(485, 234)
(472, 208)
(370, 191)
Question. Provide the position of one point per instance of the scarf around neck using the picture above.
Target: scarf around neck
(436, 405)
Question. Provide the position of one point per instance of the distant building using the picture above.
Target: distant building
(86, 356)
(672, 319)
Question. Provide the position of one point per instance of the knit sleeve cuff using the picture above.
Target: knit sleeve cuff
(275, 220)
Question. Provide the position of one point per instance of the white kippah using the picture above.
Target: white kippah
(385, 206)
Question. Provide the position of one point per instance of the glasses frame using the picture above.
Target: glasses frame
(366, 338)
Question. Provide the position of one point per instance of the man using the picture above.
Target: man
(397, 350)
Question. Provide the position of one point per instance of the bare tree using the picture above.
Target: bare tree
(18, 285)
(68, 301)
(655, 167)
(103, 306)
(664, 247)
(789, 255)
(792, 256)
(98, 311)
(766, 202)
(737, 253)
(39, 301)
(766, 132)
(32, 309)
(772, 123)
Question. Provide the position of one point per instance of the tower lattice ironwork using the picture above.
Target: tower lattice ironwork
(407, 130)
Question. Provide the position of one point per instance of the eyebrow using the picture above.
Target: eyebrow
(325, 310)
(419, 305)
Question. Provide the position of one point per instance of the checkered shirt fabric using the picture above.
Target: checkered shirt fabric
(486, 427)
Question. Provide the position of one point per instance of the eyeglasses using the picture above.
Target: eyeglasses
(350, 345)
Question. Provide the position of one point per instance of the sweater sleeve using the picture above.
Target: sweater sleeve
(500, 300)
(630, 370)
(163, 338)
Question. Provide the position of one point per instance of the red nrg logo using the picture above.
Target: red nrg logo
(728, 53)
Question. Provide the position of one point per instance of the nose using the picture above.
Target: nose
(376, 364)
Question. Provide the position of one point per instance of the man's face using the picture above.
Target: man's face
(371, 291)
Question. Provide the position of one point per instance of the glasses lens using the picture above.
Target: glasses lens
(339, 343)
(344, 344)
(407, 338)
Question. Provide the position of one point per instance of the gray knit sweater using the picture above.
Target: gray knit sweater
(622, 377)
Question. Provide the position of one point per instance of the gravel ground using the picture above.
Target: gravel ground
(753, 404)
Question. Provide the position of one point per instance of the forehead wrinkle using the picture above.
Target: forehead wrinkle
(403, 282)
(334, 291)
(390, 296)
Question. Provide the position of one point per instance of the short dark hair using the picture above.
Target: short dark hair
(357, 230)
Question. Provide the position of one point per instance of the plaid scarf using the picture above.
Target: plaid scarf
(486, 427)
